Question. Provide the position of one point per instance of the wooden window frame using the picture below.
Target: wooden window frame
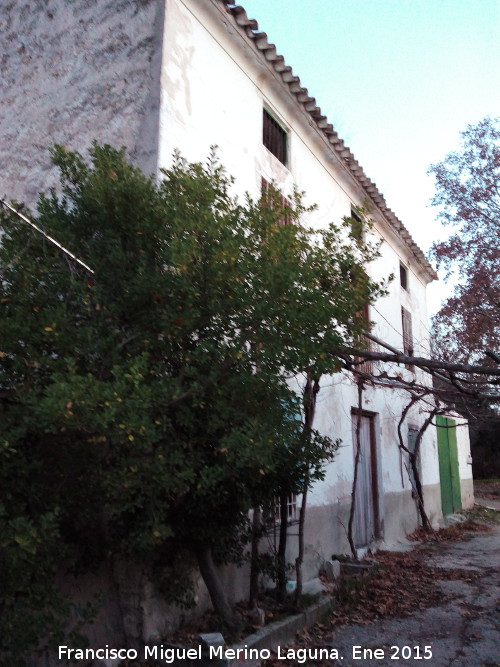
(275, 137)
(413, 430)
(403, 276)
(407, 332)
(365, 365)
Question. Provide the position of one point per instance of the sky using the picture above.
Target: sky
(399, 80)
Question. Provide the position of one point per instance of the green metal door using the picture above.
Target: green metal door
(451, 500)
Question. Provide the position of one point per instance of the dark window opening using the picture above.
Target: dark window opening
(407, 335)
(364, 365)
(403, 276)
(412, 442)
(274, 137)
(357, 225)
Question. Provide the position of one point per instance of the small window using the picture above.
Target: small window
(364, 365)
(407, 334)
(403, 276)
(286, 204)
(291, 508)
(412, 441)
(357, 225)
(274, 137)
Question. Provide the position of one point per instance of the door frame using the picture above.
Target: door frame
(449, 473)
(374, 474)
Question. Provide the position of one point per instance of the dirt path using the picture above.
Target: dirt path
(436, 605)
(463, 631)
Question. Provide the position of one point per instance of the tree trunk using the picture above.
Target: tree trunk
(254, 565)
(420, 496)
(355, 478)
(212, 581)
(300, 556)
(413, 458)
(281, 556)
(416, 475)
(310, 394)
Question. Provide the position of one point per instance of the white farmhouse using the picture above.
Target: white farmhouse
(160, 75)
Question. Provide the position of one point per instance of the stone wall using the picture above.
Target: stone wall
(73, 71)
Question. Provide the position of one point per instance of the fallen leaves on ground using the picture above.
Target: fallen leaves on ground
(455, 532)
(484, 514)
(397, 585)
(488, 489)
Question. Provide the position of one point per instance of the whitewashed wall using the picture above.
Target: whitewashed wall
(214, 87)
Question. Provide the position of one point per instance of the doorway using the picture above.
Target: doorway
(451, 500)
(366, 504)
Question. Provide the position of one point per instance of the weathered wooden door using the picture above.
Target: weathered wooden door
(451, 500)
(366, 496)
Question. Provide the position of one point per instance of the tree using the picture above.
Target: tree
(145, 403)
(467, 190)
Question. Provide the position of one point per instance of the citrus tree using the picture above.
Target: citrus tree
(145, 400)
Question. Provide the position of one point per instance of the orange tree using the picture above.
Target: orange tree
(146, 406)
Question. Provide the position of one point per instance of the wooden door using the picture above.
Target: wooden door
(366, 497)
(451, 500)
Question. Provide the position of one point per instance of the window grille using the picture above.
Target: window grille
(412, 441)
(403, 276)
(365, 365)
(407, 335)
(274, 137)
(407, 332)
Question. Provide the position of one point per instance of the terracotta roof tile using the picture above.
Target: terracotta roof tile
(260, 40)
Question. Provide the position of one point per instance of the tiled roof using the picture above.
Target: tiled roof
(250, 28)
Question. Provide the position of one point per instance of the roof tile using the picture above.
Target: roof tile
(260, 40)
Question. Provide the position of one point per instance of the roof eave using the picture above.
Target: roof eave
(250, 28)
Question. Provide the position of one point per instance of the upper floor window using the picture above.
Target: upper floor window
(357, 225)
(274, 137)
(403, 276)
(364, 365)
(281, 201)
(407, 332)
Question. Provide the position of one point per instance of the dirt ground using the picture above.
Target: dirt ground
(488, 492)
(437, 605)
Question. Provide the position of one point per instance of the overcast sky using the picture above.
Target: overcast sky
(399, 80)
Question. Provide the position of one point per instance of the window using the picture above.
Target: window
(403, 276)
(357, 225)
(364, 365)
(412, 441)
(274, 137)
(286, 218)
(407, 334)
(291, 508)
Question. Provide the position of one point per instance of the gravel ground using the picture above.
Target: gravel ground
(457, 625)
(462, 631)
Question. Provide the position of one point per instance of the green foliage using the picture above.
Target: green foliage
(146, 407)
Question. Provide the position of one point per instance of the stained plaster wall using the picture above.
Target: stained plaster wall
(73, 72)
(77, 71)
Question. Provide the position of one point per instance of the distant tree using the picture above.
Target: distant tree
(146, 407)
(468, 194)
